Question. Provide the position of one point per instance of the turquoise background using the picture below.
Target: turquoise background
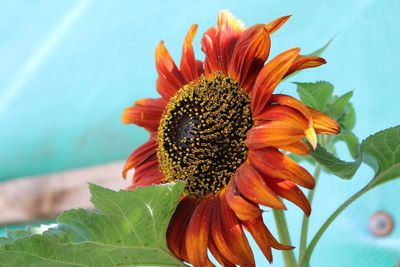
(69, 68)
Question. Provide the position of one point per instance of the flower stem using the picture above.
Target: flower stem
(305, 259)
(305, 223)
(327, 143)
(284, 237)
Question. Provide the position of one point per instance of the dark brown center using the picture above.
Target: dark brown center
(201, 138)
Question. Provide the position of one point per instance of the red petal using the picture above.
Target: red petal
(146, 168)
(188, 64)
(257, 229)
(234, 234)
(252, 185)
(218, 44)
(218, 255)
(269, 77)
(263, 237)
(197, 232)
(141, 154)
(218, 236)
(291, 192)
(272, 163)
(323, 124)
(305, 62)
(170, 79)
(250, 53)
(274, 25)
(147, 173)
(145, 113)
(156, 178)
(177, 227)
(244, 209)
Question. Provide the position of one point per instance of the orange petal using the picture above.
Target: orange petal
(218, 255)
(244, 209)
(197, 232)
(234, 234)
(263, 237)
(273, 134)
(283, 113)
(272, 163)
(269, 77)
(289, 101)
(274, 25)
(250, 53)
(323, 124)
(305, 62)
(178, 225)
(188, 64)
(170, 79)
(298, 147)
(291, 192)
(218, 237)
(252, 186)
(141, 154)
(146, 113)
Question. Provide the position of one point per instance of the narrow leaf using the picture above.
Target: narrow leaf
(128, 228)
(319, 51)
(338, 107)
(349, 119)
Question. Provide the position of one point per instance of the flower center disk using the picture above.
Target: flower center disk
(201, 138)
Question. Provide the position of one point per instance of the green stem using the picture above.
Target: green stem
(326, 142)
(284, 237)
(305, 223)
(304, 262)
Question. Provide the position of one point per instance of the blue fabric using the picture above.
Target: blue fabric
(68, 68)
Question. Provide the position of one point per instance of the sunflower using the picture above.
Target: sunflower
(219, 128)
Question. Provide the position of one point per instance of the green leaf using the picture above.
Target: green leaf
(315, 95)
(128, 228)
(340, 168)
(339, 106)
(319, 51)
(381, 151)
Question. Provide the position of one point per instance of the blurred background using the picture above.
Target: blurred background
(69, 68)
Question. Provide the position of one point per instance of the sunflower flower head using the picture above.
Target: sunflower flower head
(219, 127)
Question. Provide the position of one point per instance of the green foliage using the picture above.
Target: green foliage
(315, 95)
(381, 151)
(128, 228)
